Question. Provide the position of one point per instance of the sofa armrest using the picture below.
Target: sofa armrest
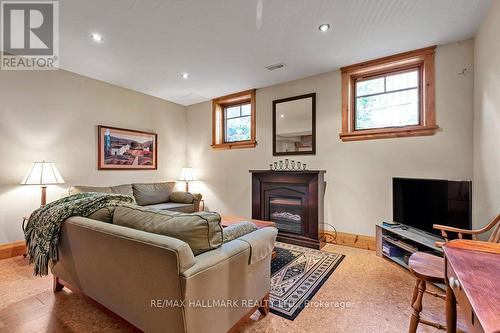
(224, 274)
(196, 201)
(219, 256)
(260, 241)
(187, 198)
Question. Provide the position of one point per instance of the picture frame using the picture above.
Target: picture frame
(126, 149)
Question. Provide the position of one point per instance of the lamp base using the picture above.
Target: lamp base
(43, 201)
(187, 186)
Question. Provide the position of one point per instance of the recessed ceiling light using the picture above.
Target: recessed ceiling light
(324, 27)
(185, 76)
(282, 116)
(96, 37)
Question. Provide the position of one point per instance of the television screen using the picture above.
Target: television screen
(420, 203)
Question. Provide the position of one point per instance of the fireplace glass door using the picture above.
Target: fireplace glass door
(287, 213)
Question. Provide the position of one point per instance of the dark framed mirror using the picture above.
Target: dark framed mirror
(294, 125)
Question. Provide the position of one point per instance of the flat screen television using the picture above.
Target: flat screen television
(420, 203)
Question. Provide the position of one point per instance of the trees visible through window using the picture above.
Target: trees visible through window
(233, 121)
(237, 122)
(388, 101)
(389, 97)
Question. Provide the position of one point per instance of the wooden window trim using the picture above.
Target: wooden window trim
(218, 130)
(423, 59)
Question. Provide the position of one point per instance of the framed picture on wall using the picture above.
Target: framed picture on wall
(124, 149)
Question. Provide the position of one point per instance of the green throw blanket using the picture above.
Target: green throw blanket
(44, 225)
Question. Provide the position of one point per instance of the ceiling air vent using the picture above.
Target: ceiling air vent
(275, 66)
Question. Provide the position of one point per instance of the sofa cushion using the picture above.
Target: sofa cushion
(201, 231)
(181, 197)
(153, 193)
(119, 189)
(104, 214)
(175, 206)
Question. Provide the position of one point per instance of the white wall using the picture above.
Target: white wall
(359, 174)
(487, 118)
(53, 115)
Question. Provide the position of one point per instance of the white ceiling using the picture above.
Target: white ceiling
(149, 43)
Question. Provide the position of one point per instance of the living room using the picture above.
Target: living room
(192, 62)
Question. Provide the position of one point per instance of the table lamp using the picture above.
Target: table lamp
(43, 174)
(187, 175)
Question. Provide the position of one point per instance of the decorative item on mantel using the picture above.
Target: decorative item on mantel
(288, 166)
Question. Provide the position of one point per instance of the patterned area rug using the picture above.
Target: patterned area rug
(297, 273)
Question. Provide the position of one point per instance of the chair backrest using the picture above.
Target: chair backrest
(495, 235)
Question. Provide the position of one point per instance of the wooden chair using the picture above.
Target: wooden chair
(493, 225)
(429, 268)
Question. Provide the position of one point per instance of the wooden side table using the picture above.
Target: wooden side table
(227, 220)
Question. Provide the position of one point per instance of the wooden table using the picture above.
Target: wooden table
(472, 270)
(227, 220)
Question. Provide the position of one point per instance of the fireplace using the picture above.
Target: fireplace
(287, 213)
(293, 200)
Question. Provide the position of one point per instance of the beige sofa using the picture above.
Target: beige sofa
(152, 195)
(144, 277)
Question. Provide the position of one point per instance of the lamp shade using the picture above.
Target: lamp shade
(187, 174)
(43, 173)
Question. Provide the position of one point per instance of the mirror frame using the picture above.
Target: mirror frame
(313, 111)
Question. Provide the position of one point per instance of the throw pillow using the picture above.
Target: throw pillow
(104, 215)
(201, 231)
(154, 193)
(237, 230)
(181, 197)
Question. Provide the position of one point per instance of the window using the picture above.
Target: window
(389, 97)
(234, 121)
(387, 101)
(237, 123)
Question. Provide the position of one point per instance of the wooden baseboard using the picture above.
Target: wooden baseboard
(352, 240)
(14, 249)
